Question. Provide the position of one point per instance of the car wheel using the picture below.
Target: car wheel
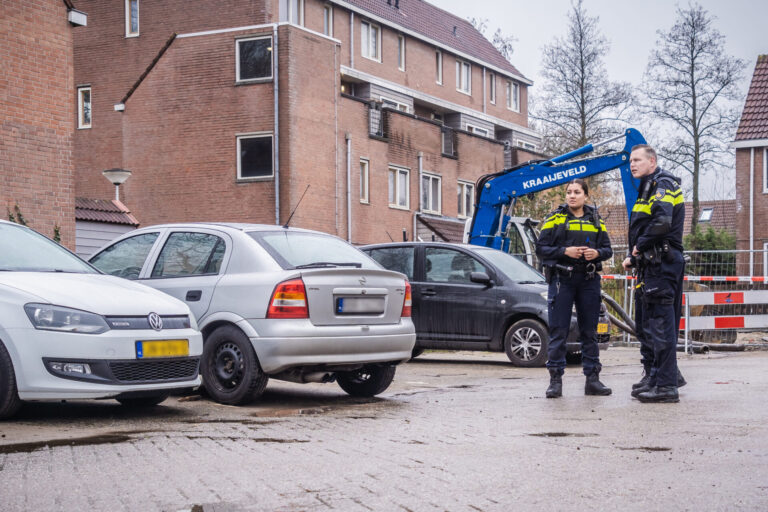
(231, 372)
(526, 343)
(367, 381)
(416, 352)
(144, 401)
(9, 396)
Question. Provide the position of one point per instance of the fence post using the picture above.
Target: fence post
(687, 321)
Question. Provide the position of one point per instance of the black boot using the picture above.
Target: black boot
(664, 394)
(680, 379)
(593, 386)
(645, 380)
(555, 389)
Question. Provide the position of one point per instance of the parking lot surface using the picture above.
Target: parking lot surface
(456, 431)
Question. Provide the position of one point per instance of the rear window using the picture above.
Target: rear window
(295, 249)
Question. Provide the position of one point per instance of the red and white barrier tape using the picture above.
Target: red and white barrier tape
(719, 279)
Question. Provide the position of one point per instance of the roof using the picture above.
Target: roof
(724, 216)
(438, 25)
(102, 210)
(754, 117)
(447, 229)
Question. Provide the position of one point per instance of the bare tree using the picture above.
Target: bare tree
(578, 103)
(505, 44)
(692, 85)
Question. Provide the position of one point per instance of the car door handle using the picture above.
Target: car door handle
(194, 295)
(428, 292)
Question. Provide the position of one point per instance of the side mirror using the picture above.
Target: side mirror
(480, 277)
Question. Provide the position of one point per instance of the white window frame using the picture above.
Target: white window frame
(401, 52)
(439, 67)
(513, 96)
(255, 135)
(300, 7)
(397, 171)
(128, 29)
(526, 145)
(365, 181)
(365, 46)
(237, 61)
(464, 77)
(704, 211)
(765, 170)
(471, 128)
(492, 86)
(402, 107)
(81, 125)
(432, 177)
(328, 20)
(465, 186)
(765, 259)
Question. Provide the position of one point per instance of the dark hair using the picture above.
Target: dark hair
(649, 151)
(580, 182)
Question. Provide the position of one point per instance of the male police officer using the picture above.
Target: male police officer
(656, 244)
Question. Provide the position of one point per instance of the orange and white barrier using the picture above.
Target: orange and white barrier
(707, 279)
(723, 322)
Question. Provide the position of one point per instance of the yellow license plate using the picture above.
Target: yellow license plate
(602, 328)
(163, 348)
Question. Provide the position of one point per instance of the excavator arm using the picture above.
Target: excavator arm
(497, 193)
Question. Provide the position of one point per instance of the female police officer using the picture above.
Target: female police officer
(572, 244)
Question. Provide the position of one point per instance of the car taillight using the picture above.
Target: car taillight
(407, 302)
(289, 300)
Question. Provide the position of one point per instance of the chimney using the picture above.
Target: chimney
(454, 29)
(397, 4)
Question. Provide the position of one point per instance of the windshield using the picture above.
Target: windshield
(295, 249)
(513, 267)
(23, 250)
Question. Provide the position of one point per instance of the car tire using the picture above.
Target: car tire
(526, 343)
(367, 381)
(230, 369)
(143, 401)
(9, 395)
(416, 352)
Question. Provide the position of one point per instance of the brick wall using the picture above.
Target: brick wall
(37, 116)
(743, 162)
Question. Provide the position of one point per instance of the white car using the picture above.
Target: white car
(68, 331)
(274, 302)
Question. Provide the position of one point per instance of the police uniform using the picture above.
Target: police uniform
(573, 280)
(656, 229)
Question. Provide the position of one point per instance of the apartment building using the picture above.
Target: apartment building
(380, 114)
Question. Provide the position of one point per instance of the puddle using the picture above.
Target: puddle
(562, 434)
(647, 448)
(81, 441)
(254, 439)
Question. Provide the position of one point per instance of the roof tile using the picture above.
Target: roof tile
(754, 117)
(101, 210)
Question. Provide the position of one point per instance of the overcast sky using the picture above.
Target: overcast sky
(630, 28)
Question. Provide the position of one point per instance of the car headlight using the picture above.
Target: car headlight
(544, 295)
(56, 318)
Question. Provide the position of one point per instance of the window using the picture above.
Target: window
(131, 18)
(254, 156)
(83, 107)
(526, 145)
(448, 142)
(450, 266)
(370, 41)
(466, 198)
(386, 102)
(126, 257)
(765, 171)
(398, 188)
(399, 259)
(463, 77)
(492, 86)
(476, 129)
(765, 259)
(430, 193)
(190, 254)
(513, 96)
(254, 59)
(292, 11)
(328, 20)
(705, 215)
(401, 52)
(439, 67)
(365, 180)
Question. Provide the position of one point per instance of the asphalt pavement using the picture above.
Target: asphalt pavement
(456, 431)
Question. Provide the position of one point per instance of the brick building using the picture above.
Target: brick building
(388, 110)
(37, 115)
(752, 170)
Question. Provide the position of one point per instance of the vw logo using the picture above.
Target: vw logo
(155, 321)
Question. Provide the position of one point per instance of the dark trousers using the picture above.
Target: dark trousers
(563, 292)
(658, 306)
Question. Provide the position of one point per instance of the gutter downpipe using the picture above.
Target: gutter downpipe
(352, 39)
(276, 88)
(420, 158)
(348, 138)
(752, 211)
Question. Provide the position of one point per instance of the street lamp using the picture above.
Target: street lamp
(117, 177)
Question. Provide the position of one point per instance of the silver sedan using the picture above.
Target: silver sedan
(286, 303)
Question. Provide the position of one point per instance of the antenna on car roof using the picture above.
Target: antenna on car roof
(295, 208)
(390, 236)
